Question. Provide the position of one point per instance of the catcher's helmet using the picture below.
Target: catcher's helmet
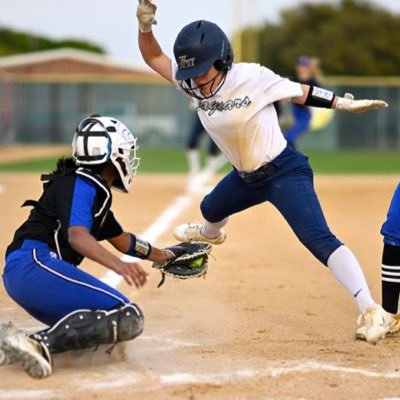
(99, 140)
(199, 46)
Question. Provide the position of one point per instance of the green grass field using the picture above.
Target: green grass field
(174, 161)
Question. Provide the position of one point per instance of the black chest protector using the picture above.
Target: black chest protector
(48, 221)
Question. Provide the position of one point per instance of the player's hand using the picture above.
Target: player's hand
(132, 272)
(347, 103)
(146, 14)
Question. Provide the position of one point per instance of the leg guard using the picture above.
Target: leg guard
(83, 329)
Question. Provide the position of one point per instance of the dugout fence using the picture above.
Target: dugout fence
(43, 110)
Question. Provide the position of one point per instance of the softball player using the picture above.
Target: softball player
(65, 225)
(193, 145)
(234, 103)
(306, 73)
(391, 256)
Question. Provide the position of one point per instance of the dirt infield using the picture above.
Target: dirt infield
(268, 322)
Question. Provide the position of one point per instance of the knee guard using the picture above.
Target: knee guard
(83, 329)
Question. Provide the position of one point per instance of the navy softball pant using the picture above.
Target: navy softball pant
(290, 189)
(195, 135)
(49, 288)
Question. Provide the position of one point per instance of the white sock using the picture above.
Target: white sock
(193, 157)
(348, 272)
(213, 229)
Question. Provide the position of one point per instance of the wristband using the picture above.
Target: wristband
(139, 248)
(318, 97)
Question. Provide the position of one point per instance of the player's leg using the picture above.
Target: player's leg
(294, 196)
(231, 195)
(390, 278)
(81, 310)
(213, 157)
(391, 256)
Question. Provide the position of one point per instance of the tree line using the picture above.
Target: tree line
(352, 37)
(15, 42)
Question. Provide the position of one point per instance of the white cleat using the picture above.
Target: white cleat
(34, 356)
(374, 323)
(192, 233)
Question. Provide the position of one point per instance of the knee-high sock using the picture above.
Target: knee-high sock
(213, 229)
(348, 272)
(390, 278)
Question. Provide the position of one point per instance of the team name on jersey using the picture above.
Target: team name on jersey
(213, 106)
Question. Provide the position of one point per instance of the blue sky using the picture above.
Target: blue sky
(112, 23)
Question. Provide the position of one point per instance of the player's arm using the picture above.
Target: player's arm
(132, 245)
(318, 97)
(80, 239)
(150, 49)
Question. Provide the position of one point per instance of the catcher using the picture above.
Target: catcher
(65, 225)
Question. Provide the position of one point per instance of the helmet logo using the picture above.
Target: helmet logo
(185, 62)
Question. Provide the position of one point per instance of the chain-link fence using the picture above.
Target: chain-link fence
(47, 112)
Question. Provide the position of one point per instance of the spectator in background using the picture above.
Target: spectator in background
(193, 148)
(307, 72)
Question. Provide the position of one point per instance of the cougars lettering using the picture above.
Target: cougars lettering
(213, 106)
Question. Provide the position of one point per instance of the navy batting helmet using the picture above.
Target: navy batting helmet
(199, 46)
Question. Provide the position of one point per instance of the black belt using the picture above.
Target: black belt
(259, 174)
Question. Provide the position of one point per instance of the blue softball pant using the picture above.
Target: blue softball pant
(391, 227)
(290, 189)
(49, 288)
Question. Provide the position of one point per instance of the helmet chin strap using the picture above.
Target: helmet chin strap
(197, 91)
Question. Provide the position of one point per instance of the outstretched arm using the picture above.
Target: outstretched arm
(85, 244)
(318, 97)
(151, 51)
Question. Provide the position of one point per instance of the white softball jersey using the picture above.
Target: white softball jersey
(241, 118)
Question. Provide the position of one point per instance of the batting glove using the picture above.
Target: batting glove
(347, 103)
(146, 14)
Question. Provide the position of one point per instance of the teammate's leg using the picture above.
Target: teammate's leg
(391, 256)
(193, 152)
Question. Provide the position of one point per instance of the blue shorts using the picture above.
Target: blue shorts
(290, 189)
(49, 288)
(391, 227)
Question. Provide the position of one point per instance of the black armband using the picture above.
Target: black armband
(318, 97)
(139, 248)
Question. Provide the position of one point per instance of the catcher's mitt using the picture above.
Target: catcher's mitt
(190, 261)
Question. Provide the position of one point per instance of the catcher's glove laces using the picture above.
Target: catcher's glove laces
(190, 261)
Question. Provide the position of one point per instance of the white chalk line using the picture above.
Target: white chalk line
(2, 189)
(114, 377)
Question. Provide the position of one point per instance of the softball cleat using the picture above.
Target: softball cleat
(192, 233)
(6, 329)
(374, 323)
(34, 356)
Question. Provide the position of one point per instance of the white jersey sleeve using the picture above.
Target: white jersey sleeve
(275, 87)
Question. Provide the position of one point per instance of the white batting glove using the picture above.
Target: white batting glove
(146, 14)
(347, 103)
